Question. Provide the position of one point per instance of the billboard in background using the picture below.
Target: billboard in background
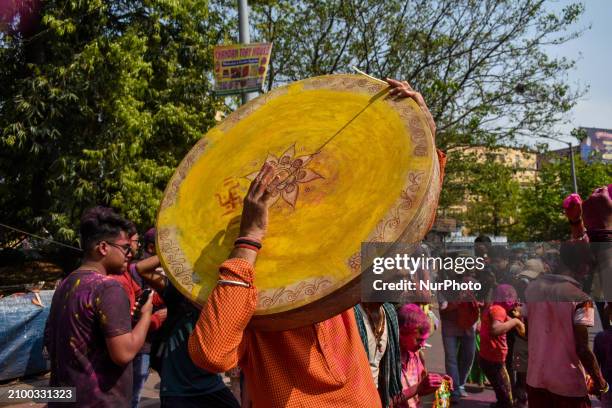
(241, 68)
(597, 145)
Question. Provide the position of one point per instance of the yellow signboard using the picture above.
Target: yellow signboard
(241, 68)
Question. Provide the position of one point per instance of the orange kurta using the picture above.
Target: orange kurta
(318, 366)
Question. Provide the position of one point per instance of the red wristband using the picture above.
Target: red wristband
(247, 246)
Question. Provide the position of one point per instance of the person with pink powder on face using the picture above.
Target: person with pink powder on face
(414, 330)
(596, 218)
(591, 221)
(496, 322)
(560, 313)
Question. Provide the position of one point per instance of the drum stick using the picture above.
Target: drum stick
(360, 112)
(369, 76)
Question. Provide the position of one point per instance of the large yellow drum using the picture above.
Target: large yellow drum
(357, 166)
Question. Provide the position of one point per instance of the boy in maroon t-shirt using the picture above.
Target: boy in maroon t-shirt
(89, 335)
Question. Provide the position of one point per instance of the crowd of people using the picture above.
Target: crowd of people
(526, 330)
(116, 317)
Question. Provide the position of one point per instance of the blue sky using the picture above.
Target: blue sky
(593, 52)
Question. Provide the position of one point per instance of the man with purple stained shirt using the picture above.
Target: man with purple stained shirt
(89, 334)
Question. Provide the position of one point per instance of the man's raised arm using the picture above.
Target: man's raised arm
(215, 342)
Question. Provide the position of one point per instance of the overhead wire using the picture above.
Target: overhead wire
(40, 237)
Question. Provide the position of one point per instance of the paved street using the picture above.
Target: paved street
(434, 358)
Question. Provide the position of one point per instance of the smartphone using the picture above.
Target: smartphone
(142, 299)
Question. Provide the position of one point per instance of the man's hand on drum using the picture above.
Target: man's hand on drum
(254, 220)
(402, 89)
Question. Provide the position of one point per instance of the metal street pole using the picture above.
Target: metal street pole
(571, 149)
(573, 165)
(245, 38)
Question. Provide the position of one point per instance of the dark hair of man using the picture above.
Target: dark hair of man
(131, 231)
(576, 256)
(498, 252)
(149, 236)
(101, 224)
(482, 238)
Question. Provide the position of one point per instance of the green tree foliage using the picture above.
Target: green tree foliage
(99, 102)
(100, 99)
(541, 212)
(480, 65)
(481, 191)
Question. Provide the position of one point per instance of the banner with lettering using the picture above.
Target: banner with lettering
(241, 68)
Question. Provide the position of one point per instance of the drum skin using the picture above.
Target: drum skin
(355, 165)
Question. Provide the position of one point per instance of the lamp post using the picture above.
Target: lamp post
(572, 163)
(571, 150)
(244, 38)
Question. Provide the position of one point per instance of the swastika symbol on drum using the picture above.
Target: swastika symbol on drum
(231, 199)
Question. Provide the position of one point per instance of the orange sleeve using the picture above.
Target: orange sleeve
(442, 165)
(215, 341)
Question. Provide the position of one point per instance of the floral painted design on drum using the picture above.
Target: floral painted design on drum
(290, 172)
(289, 294)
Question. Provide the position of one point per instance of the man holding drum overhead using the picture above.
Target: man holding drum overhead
(320, 365)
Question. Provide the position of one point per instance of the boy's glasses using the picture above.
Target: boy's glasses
(125, 248)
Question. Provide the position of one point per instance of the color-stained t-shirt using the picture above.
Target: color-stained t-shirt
(555, 304)
(87, 308)
(493, 348)
(413, 372)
